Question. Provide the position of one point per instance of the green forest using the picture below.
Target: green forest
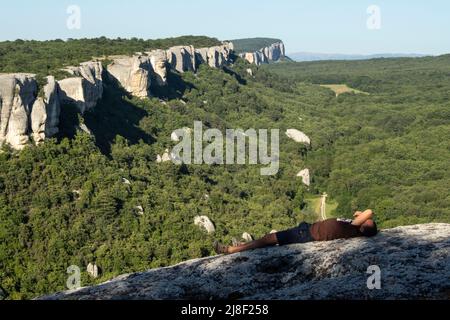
(66, 202)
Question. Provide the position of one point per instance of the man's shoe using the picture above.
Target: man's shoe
(220, 248)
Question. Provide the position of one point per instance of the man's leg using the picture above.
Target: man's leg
(267, 241)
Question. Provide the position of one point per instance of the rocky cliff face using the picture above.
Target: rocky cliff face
(274, 52)
(23, 113)
(17, 94)
(85, 88)
(158, 60)
(136, 73)
(45, 112)
(182, 58)
(133, 74)
(215, 57)
(414, 263)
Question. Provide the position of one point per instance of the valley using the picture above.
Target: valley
(95, 192)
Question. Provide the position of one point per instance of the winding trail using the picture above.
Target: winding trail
(323, 207)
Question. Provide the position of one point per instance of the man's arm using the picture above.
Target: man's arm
(362, 217)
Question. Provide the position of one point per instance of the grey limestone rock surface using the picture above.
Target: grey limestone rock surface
(23, 113)
(182, 58)
(45, 113)
(272, 53)
(85, 88)
(414, 263)
(158, 60)
(215, 57)
(17, 95)
(133, 74)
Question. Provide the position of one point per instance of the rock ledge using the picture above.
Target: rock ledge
(414, 263)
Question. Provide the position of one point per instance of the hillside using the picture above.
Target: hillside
(95, 193)
(413, 263)
(252, 44)
(385, 150)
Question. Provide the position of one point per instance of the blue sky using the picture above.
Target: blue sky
(314, 26)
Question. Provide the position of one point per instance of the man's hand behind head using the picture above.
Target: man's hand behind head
(357, 214)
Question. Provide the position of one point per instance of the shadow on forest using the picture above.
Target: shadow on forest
(237, 76)
(175, 89)
(114, 115)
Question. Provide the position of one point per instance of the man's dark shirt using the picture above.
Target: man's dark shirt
(333, 229)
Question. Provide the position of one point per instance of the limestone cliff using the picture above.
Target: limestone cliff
(187, 58)
(158, 60)
(272, 53)
(45, 112)
(17, 95)
(414, 262)
(215, 57)
(23, 113)
(136, 73)
(182, 58)
(133, 74)
(85, 88)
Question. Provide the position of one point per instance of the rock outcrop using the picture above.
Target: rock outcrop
(206, 223)
(273, 53)
(414, 262)
(17, 95)
(182, 58)
(215, 57)
(306, 177)
(45, 113)
(298, 136)
(133, 74)
(247, 237)
(140, 210)
(85, 88)
(23, 113)
(92, 270)
(82, 127)
(257, 57)
(166, 157)
(158, 60)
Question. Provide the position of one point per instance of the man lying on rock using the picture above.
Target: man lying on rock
(332, 229)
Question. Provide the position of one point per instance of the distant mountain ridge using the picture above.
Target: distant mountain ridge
(312, 56)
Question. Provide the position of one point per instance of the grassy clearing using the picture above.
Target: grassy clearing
(341, 89)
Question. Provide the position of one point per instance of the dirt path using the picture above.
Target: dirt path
(323, 207)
